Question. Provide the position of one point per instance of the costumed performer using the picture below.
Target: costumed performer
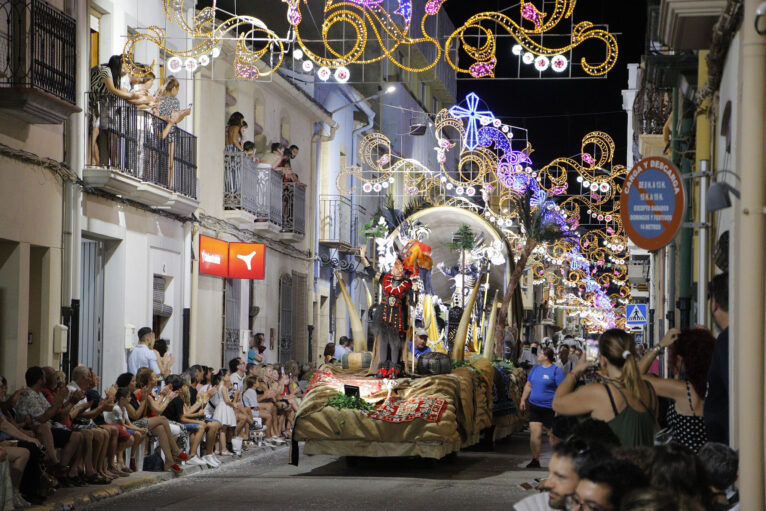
(390, 320)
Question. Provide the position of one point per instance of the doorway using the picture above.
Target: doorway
(91, 346)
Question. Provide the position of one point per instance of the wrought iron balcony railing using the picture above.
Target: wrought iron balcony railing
(294, 208)
(37, 48)
(134, 141)
(256, 189)
(335, 221)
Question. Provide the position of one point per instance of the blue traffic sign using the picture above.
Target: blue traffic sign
(635, 314)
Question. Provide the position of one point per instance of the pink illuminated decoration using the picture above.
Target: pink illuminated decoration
(383, 160)
(246, 71)
(433, 6)
(483, 69)
(530, 12)
(293, 12)
(587, 158)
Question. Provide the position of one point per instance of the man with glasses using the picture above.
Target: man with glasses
(568, 458)
(603, 484)
(237, 369)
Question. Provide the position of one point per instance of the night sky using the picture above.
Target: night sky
(558, 113)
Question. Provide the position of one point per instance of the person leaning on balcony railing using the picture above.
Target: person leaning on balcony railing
(142, 85)
(275, 156)
(104, 81)
(285, 166)
(249, 148)
(234, 132)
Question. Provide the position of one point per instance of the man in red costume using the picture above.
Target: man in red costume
(390, 319)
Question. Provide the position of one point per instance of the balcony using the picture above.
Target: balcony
(335, 222)
(252, 193)
(38, 62)
(293, 212)
(137, 163)
(688, 24)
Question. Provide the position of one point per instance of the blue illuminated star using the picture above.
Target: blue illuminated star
(473, 117)
(405, 10)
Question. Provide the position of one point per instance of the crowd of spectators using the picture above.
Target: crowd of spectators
(56, 433)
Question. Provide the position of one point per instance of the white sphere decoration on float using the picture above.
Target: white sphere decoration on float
(298, 54)
(342, 74)
(307, 66)
(204, 60)
(376, 187)
(516, 49)
(216, 52)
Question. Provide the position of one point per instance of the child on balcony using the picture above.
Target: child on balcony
(170, 111)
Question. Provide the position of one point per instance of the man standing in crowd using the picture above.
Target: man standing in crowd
(565, 361)
(717, 400)
(528, 355)
(340, 348)
(421, 342)
(142, 355)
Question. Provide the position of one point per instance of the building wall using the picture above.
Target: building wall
(139, 245)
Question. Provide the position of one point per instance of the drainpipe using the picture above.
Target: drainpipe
(316, 153)
(72, 195)
(194, 299)
(703, 167)
(749, 255)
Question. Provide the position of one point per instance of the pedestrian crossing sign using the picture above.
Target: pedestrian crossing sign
(635, 314)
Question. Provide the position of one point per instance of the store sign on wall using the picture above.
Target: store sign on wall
(652, 203)
(232, 260)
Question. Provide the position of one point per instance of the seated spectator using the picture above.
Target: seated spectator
(34, 410)
(267, 402)
(142, 412)
(691, 352)
(720, 463)
(96, 440)
(164, 357)
(29, 483)
(604, 483)
(180, 412)
(7, 403)
(594, 430)
(130, 435)
(640, 456)
(15, 460)
(237, 373)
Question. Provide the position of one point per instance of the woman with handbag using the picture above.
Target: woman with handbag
(690, 355)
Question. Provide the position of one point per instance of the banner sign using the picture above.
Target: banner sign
(232, 260)
(652, 203)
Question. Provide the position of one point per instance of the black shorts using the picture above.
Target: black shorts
(60, 437)
(541, 414)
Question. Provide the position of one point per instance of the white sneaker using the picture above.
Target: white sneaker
(211, 461)
(195, 460)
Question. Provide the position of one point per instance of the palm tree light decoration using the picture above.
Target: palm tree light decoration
(540, 223)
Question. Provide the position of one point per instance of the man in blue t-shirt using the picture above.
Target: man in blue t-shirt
(421, 343)
(542, 382)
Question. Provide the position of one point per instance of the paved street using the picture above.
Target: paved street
(490, 480)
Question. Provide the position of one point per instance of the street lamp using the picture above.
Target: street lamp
(388, 90)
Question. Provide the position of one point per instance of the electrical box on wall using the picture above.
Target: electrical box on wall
(130, 335)
(244, 340)
(59, 338)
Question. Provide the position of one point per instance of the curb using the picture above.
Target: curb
(147, 479)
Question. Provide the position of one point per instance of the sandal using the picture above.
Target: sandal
(175, 468)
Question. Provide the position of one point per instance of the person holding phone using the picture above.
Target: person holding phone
(542, 382)
(624, 400)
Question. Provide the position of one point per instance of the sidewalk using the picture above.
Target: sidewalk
(66, 499)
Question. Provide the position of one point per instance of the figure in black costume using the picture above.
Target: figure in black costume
(390, 320)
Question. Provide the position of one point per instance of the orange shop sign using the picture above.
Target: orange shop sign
(231, 260)
(247, 261)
